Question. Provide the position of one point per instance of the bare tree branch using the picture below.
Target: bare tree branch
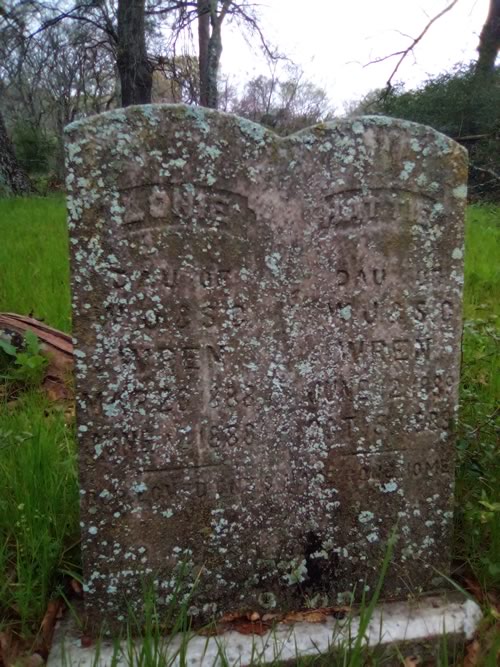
(254, 25)
(107, 28)
(490, 172)
(405, 52)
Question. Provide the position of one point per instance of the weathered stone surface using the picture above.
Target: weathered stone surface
(267, 335)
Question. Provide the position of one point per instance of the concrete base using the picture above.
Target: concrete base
(419, 626)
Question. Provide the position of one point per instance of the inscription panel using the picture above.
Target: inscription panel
(267, 344)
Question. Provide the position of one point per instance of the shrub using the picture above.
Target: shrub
(35, 148)
(465, 106)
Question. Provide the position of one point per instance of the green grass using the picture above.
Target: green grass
(38, 507)
(478, 474)
(34, 269)
(38, 500)
(482, 265)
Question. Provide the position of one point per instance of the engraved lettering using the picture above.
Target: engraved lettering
(347, 208)
(191, 357)
(447, 310)
(237, 315)
(223, 277)
(183, 398)
(208, 312)
(401, 349)
(214, 278)
(420, 312)
(379, 348)
(215, 352)
(201, 488)
(249, 434)
(206, 279)
(183, 318)
(349, 424)
(423, 347)
(371, 315)
(133, 215)
(170, 277)
(343, 277)
(159, 204)
(356, 348)
(361, 277)
(364, 389)
(379, 426)
(208, 206)
(395, 391)
(182, 204)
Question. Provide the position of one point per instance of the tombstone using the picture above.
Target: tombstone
(267, 349)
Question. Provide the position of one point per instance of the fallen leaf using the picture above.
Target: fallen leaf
(474, 587)
(411, 661)
(494, 600)
(315, 615)
(472, 654)
(48, 622)
(210, 631)
(232, 616)
(249, 628)
(312, 616)
(9, 648)
(271, 617)
(338, 612)
(55, 390)
(76, 587)
(70, 413)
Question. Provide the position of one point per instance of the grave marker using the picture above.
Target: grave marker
(267, 343)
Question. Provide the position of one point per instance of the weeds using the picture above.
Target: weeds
(38, 507)
(25, 366)
(478, 473)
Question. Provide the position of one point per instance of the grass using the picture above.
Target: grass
(38, 502)
(38, 507)
(478, 474)
(34, 270)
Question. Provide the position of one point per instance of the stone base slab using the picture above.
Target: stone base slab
(414, 627)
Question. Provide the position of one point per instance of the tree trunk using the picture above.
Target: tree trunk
(203, 41)
(136, 73)
(489, 40)
(214, 54)
(12, 176)
(210, 48)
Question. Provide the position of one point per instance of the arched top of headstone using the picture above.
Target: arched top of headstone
(390, 148)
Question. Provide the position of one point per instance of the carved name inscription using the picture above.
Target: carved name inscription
(348, 209)
(267, 336)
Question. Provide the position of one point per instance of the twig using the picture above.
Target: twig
(472, 137)
(490, 172)
(404, 52)
(488, 419)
